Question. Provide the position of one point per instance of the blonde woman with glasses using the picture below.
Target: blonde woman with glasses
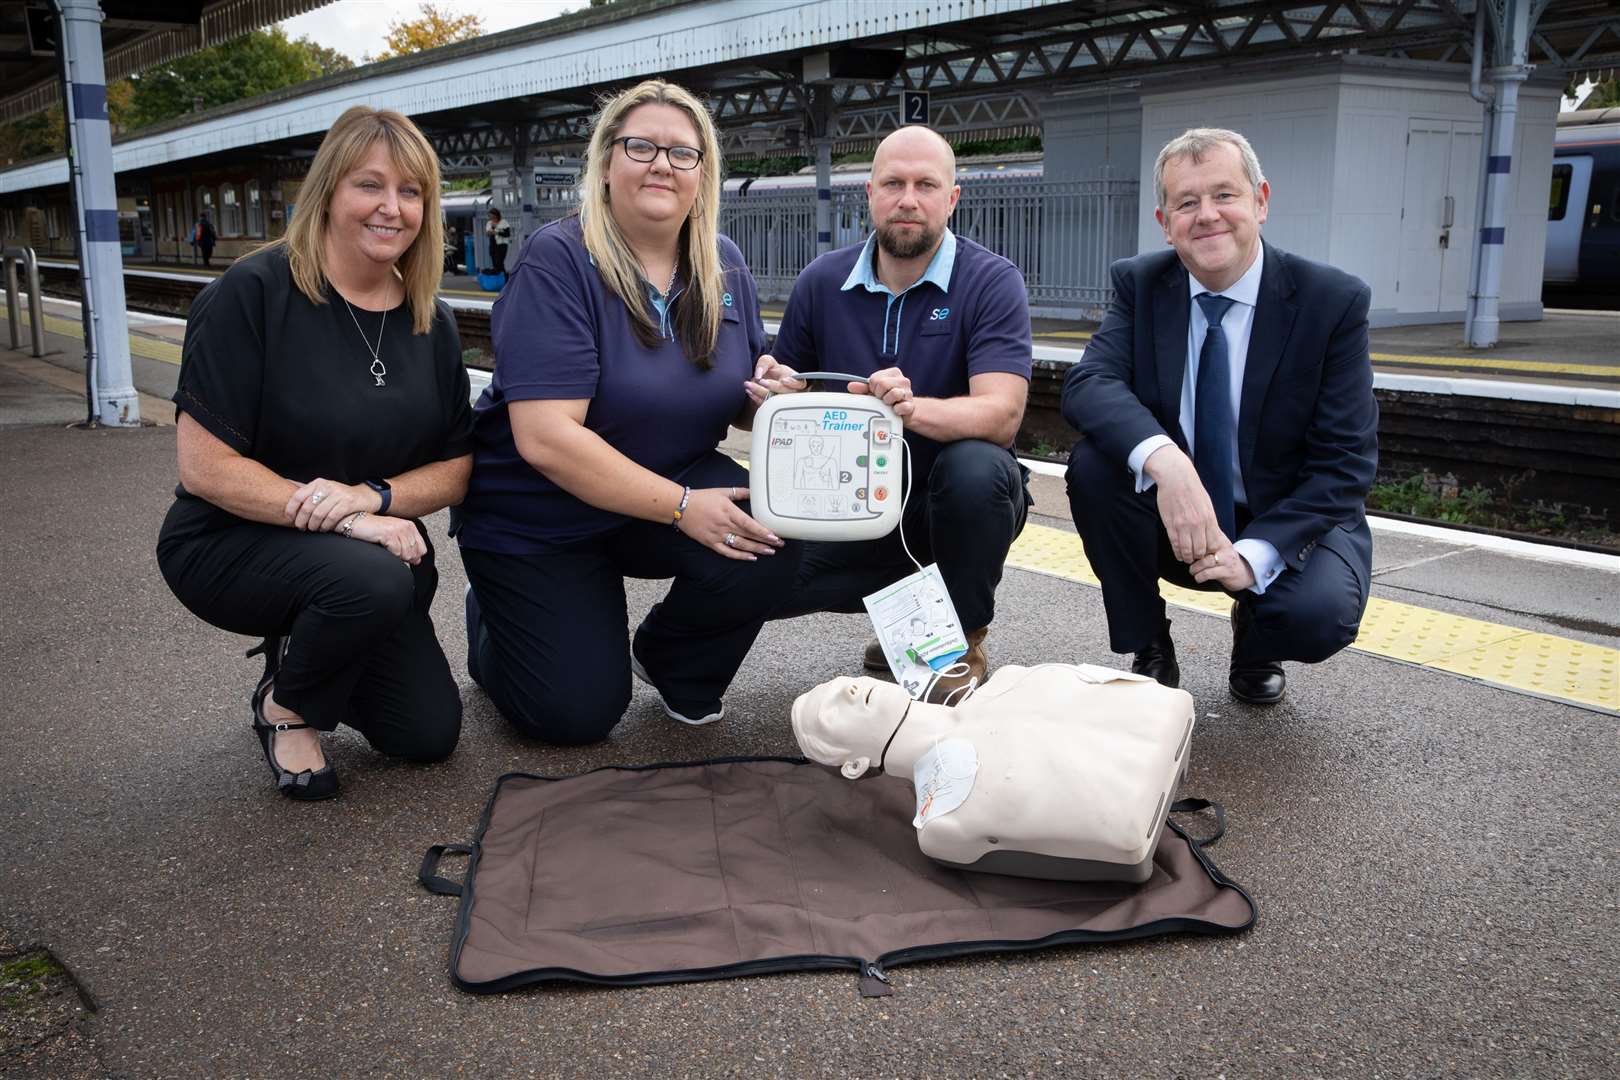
(623, 341)
(322, 410)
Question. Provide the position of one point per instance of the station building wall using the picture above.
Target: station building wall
(1366, 160)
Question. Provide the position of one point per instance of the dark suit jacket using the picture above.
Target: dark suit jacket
(1308, 424)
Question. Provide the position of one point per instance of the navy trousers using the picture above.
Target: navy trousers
(548, 633)
(1306, 615)
(964, 516)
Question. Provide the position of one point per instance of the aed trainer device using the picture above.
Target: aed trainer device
(826, 466)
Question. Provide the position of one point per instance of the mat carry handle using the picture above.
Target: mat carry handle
(428, 876)
(1193, 806)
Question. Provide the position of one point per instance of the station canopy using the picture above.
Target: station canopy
(135, 35)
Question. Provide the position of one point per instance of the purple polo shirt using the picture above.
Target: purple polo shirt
(561, 334)
(968, 314)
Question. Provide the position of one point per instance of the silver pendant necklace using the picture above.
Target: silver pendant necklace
(378, 368)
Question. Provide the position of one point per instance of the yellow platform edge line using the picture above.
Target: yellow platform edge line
(139, 345)
(1511, 658)
(1487, 363)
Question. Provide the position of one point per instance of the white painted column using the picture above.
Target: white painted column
(113, 399)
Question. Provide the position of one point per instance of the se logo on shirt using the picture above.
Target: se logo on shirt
(939, 314)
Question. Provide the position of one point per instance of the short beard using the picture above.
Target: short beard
(898, 247)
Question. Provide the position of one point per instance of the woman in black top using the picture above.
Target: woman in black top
(322, 409)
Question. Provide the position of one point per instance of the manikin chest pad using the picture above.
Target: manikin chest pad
(1068, 770)
(826, 466)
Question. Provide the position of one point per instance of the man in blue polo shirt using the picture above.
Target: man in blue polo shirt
(939, 327)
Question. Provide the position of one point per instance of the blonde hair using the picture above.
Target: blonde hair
(345, 146)
(697, 318)
(1195, 143)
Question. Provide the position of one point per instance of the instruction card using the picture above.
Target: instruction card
(917, 626)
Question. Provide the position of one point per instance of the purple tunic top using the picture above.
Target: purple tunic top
(561, 334)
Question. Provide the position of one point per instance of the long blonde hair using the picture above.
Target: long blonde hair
(345, 146)
(697, 317)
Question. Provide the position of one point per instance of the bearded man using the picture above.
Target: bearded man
(938, 327)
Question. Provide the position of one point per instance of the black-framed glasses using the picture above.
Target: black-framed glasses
(646, 151)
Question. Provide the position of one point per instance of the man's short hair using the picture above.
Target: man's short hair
(1195, 143)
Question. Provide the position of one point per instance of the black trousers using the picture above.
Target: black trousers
(497, 258)
(964, 516)
(1305, 615)
(548, 633)
(362, 650)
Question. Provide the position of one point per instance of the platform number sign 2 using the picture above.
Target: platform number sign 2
(913, 107)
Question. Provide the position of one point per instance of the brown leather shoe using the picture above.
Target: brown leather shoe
(976, 664)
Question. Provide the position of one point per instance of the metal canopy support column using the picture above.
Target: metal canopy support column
(111, 389)
(1511, 24)
(820, 127)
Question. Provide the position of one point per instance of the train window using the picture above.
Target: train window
(1558, 197)
(253, 206)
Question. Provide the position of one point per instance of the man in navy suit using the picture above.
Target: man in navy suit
(1229, 431)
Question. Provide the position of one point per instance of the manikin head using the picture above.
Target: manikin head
(846, 722)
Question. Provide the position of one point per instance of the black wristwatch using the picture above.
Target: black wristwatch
(381, 488)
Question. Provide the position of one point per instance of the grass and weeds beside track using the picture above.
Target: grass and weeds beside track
(1440, 499)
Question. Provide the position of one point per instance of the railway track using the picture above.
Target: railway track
(1546, 452)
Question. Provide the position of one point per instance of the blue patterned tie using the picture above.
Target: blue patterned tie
(1213, 423)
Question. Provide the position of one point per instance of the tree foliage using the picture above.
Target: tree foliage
(1605, 95)
(429, 30)
(254, 63)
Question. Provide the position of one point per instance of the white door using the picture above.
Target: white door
(1437, 214)
(1423, 209)
(1462, 208)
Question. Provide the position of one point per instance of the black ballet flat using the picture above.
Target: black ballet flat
(305, 785)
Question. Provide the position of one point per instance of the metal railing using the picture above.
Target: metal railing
(1062, 234)
(36, 309)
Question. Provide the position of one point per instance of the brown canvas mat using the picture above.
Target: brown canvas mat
(706, 870)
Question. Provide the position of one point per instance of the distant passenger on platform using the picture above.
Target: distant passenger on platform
(203, 238)
(323, 410)
(1229, 431)
(500, 238)
(938, 327)
(622, 343)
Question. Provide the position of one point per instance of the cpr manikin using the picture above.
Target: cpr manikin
(1056, 771)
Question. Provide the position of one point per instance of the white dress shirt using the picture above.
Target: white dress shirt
(1261, 556)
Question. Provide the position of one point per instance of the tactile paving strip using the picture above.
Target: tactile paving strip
(1543, 665)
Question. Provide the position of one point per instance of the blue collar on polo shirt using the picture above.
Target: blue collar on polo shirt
(864, 273)
(938, 272)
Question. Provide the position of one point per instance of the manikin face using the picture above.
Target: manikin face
(646, 193)
(912, 193)
(1211, 215)
(846, 721)
(376, 209)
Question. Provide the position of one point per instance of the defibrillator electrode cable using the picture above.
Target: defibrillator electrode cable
(956, 668)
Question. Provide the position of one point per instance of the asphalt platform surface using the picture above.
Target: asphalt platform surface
(1434, 860)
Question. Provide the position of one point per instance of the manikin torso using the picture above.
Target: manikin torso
(1076, 765)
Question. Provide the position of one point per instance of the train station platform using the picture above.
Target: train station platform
(1425, 822)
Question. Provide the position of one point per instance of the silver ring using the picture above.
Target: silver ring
(730, 540)
(1217, 558)
(317, 497)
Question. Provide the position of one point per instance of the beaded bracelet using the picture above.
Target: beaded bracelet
(680, 511)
